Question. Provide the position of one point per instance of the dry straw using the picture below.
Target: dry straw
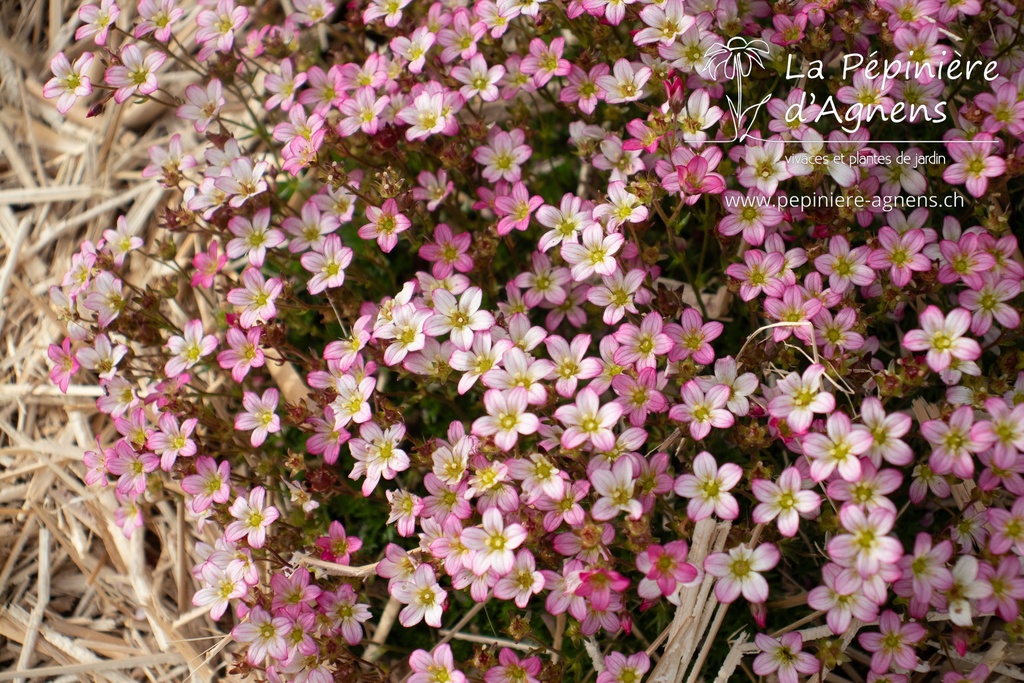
(78, 601)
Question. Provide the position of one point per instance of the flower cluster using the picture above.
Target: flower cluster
(515, 297)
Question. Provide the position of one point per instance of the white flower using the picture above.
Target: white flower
(423, 598)
(188, 349)
(626, 84)
(665, 23)
(595, 255)
(615, 487)
(478, 79)
(461, 319)
(425, 115)
(493, 543)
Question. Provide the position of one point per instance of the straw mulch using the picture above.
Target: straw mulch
(78, 601)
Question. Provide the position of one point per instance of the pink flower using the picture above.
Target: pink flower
(435, 667)
(664, 568)
(626, 82)
(221, 586)
(460, 319)
(703, 411)
(503, 155)
(748, 216)
(352, 403)
(838, 450)
(665, 23)
(478, 79)
(158, 18)
(800, 397)
(252, 517)
(739, 572)
(265, 634)
(1006, 588)
(493, 543)
(131, 468)
(708, 488)
(216, 27)
(210, 484)
(506, 417)
(640, 396)
(134, 73)
(641, 346)
(841, 596)
(448, 251)
(245, 352)
(69, 81)
(522, 582)
(885, 431)
(583, 88)
(172, 441)
(870, 490)
(422, 596)
(594, 255)
(188, 349)
(765, 168)
(865, 547)
(65, 364)
(202, 105)
(511, 669)
(588, 420)
(615, 488)
(565, 222)
(783, 657)
(344, 612)
(692, 338)
(974, 163)
(571, 364)
(1005, 428)
(259, 415)
(377, 454)
(336, 546)
(390, 10)
(925, 572)
(955, 443)
(901, 254)
(965, 259)
(616, 294)
(405, 509)
(327, 263)
(622, 207)
(990, 303)
(1007, 528)
(385, 224)
(515, 209)
(618, 668)
(207, 265)
(406, 329)
(243, 181)
(795, 309)
(894, 642)
(460, 37)
(758, 273)
(845, 267)
(257, 295)
(545, 61)
(785, 500)
(96, 21)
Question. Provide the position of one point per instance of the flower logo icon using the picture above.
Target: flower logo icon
(735, 60)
